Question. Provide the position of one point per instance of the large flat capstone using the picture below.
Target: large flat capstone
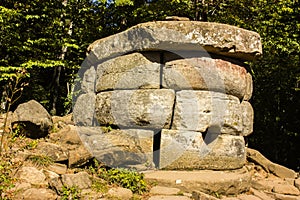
(214, 38)
(136, 108)
(187, 150)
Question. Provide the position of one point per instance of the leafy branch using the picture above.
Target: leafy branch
(13, 92)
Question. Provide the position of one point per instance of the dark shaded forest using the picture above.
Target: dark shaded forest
(43, 44)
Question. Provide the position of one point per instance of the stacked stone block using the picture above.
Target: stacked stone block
(172, 92)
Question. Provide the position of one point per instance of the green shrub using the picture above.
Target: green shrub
(131, 180)
(70, 193)
(40, 160)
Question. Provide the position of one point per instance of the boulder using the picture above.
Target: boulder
(79, 157)
(69, 138)
(32, 175)
(120, 148)
(278, 170)
(205, 74)
(38, 194)
(34, 118)
(54, 151)
(132, 71)
(58, 168)
(187, 150)
(207, 111)
(120, 193)
(286, 189)
(135, 108)
(81, 180)
(214, 38)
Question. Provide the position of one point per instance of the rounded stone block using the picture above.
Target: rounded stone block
(207, 111)
(187, 150)
(136, 108)
(205, 74)
(249, 87)
(248, 118)
(119, 148)
(132, 71)
(84, 110)
(214, 38)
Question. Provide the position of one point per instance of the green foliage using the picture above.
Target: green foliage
(13, 91)
(131, 180)
(99, 185)
(70, 193)
(6, 182)
(125, 178)
(40, 160)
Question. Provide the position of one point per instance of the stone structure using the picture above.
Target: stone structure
(172, 92)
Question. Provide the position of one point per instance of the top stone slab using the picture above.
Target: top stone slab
(176, 36)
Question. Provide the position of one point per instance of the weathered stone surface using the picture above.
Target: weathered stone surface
(260, 194)
(69, 138)
(120, 193)
(197, 195)
(286, 189)
(205, 74)
(50, 174)
(249, 87)
(135, 108)
(132, 71)
(56, 184)
(58, 168)
(60, 122)
(208, 181)
(248, 197)
(38, 194)
(120, 148)
(297, 183)
(89, 80)
(184, 35)
(169, 197)
(278, 170)
(80, 180)
(265, 184)
(54, 151)
(187, 150)
(37, 121)
(164, 190)
(84, 110)
(79, 157)
(207, 111)
(284, 197)
(32, 175)
(247, 118)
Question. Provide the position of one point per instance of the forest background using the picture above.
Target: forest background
(44, 42)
